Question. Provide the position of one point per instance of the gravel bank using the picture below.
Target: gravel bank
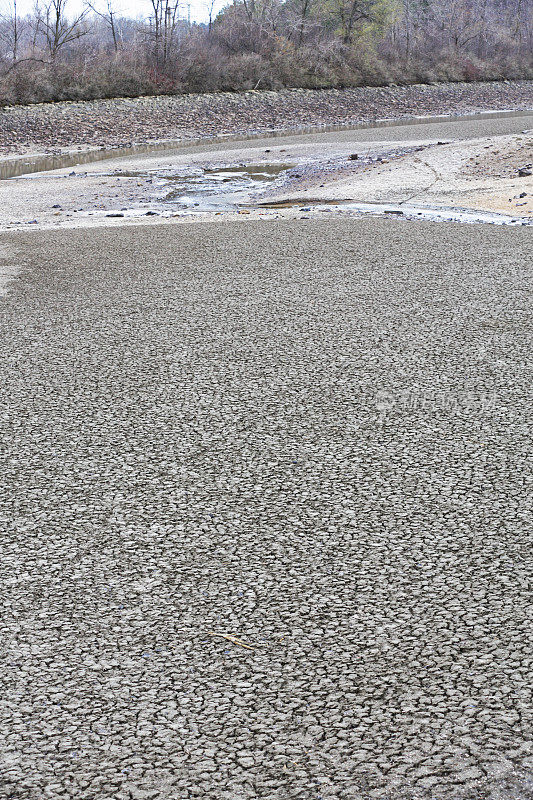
(310, 436)
(112, 123)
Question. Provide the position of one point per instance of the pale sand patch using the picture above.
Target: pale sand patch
(8, 270)
(439, 176)
(505, 200)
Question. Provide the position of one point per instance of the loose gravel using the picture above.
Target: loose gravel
(124, 121)
(309, 436)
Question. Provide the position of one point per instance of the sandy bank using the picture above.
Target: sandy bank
(459, 164)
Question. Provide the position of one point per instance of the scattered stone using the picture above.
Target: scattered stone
(115, 122)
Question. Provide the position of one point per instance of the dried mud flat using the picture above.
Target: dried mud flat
(302, 437)
(120, 122)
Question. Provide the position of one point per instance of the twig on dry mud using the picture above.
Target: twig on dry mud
(231, 638)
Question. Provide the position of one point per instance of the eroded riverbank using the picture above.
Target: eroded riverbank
(53, 128)
(468, 169)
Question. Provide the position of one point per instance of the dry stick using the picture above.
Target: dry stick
(231, 638)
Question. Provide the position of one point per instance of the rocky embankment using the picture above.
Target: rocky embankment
(123, 121)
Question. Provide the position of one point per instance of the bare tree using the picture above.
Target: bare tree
(10, 33)
(164, 25)
(210, 7)
(58, 29)
(350, 14)
(460, 22)
(249, 7)
(303, 10)
(108, 16)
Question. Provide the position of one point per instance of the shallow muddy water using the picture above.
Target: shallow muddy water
(221, 189)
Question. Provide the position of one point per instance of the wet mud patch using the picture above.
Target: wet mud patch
(221, 188)
(304, 204)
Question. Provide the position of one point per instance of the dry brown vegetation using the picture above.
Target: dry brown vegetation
(266, 44)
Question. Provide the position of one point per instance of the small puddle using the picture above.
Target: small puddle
(27, 165)
(397, 210)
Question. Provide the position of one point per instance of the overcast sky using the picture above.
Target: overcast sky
(130, 8)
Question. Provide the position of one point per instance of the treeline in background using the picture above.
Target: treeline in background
(53, 54)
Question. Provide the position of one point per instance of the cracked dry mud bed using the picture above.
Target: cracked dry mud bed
(308, 436)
